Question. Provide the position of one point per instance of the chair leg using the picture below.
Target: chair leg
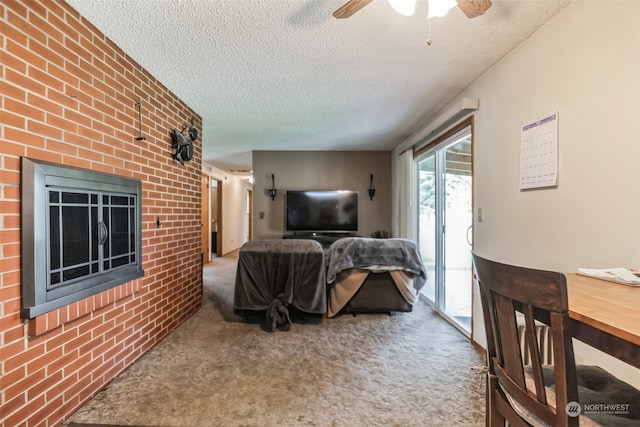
(488, 399)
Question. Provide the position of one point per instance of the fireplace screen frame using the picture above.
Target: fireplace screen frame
(72, 246)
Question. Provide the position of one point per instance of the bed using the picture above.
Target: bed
(277, 278)
(373, 275)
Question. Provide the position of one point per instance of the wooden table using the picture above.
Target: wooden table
(606, 316)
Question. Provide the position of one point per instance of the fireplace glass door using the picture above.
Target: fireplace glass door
(81, 234)
(86, 237)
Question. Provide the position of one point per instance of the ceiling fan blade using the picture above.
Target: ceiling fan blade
(473, 8)
(349, 8)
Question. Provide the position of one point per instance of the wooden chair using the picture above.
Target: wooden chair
(539, 394)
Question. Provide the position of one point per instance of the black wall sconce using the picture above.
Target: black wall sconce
(372, 189)
(183, 144)
(272, 190)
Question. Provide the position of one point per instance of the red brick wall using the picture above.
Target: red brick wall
(69, 96)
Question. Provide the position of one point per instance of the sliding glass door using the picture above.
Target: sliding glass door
(445, 220)
(428, 222)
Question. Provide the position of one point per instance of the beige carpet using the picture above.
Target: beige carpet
(410, 369)
(100, 425)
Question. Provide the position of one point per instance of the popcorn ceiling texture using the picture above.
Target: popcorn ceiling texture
(286, 75)
(410, 369)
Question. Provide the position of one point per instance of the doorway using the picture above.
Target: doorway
(445, 220)
(216, 217)
(204, 220)
(248, 223)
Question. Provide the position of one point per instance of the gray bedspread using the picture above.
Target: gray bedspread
(376, 254)
(273, 274)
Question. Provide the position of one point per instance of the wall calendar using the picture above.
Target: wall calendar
(539, 153)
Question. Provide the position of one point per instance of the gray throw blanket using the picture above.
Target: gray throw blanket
(275, 275)
(376, 254)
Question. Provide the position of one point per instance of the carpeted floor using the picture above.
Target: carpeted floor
(100, 425)
(410, 369)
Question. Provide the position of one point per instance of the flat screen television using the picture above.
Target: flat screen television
(321, 211)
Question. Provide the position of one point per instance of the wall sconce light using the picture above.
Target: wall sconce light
(183, 145)
(372, 189)
(272, 190)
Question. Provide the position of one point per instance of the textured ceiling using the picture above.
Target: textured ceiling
(286, 75)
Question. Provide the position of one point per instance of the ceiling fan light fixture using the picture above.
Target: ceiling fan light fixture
(404, 7)
(439, 8)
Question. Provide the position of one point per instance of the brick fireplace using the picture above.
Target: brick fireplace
(69, 98)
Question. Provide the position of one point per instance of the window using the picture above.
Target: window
(81, 234)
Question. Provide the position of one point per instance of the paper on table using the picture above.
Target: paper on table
(618, 274)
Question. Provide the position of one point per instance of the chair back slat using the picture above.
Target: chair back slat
(534, 354)
(508, 292)
(566, 377)
(509, 348)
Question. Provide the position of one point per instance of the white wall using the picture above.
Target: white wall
(321, 170)
(234, 209)
(585, 64)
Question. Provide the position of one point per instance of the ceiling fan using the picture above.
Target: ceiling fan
(471, 8)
